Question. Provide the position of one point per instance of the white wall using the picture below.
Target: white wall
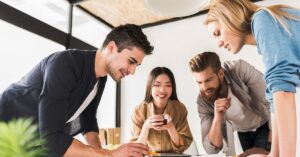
(175, 44)
(21, 50)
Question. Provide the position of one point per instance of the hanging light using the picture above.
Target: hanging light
(176, 8)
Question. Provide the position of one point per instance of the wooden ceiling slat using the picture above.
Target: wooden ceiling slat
(117, 12)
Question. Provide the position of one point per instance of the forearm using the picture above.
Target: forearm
(144, 135)
(78, 149)
(285, 115)
(92, 139)
(275, 142)
(215, 135)
(174, 135)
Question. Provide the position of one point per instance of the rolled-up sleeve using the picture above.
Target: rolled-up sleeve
(280, 51)
(206, 122)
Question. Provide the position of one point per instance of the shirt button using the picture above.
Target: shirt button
(158, 142)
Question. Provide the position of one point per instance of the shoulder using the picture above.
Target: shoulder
(236, 64)
(263, 21)
(70, 59)
(140, 113)
(201, 102)
(65, 56)
(240, 70)
(76, 55)
(204, 108)
(141, 108)
(262, 15)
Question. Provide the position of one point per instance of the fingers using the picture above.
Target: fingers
(153, 121)
(221, 109)
(163, 127)
(159, 127)
(157, 121)
(223, 102)
(137, 149)
(155, 118)
(138, 145)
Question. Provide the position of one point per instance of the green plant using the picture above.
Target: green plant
(18, 138)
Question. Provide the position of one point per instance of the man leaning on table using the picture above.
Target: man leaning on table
(231, 99)
(63, 91)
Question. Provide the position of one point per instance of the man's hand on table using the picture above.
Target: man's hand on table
(131, 150)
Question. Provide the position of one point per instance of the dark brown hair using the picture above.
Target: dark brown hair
(151, 78)
(204, 60)
(128, 36)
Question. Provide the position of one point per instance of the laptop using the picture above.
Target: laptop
(172, 155)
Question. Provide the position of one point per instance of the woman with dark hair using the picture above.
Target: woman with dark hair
(160, 121)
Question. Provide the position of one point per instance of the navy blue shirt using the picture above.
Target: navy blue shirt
(51, 93)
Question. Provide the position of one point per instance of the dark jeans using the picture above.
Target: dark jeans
(258, 138)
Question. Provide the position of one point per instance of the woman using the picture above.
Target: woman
(275, 30)
(161, 120)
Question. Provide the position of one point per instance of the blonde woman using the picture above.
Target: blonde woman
(160, 121)
(275, 30)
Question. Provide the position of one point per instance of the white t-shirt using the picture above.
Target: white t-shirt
(85, 103)
(241, 117)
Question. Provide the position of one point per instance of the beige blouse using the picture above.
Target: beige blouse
(160, 141)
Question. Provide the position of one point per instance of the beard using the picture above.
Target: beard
(220, 92)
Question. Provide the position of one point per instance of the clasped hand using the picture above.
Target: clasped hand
(159, 122)
(220, 107)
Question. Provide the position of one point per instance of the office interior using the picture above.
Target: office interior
(33, 29)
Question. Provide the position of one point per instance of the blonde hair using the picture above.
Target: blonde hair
(236, 15)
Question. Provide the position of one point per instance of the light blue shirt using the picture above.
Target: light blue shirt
(280, 51)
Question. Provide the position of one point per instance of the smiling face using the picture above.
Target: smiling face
(121, 64)
(226, 39)
(161, 90)
(209, 82)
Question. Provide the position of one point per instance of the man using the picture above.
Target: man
(231, 99)
(63, 91)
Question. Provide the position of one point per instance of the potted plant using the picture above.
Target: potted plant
(19, 138)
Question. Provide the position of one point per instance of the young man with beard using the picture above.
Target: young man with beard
(231, 99)
(62, 93)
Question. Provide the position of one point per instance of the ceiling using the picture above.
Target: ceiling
(117, 12)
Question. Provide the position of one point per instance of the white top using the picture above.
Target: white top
(242, 118)
(85, 103)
